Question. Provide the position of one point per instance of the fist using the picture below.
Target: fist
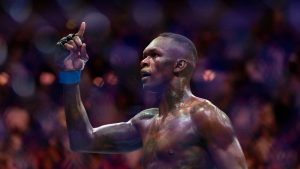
(78, 56)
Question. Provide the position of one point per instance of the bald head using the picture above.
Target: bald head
(168, 58)
(185, 43)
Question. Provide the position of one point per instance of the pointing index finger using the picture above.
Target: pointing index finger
(81, 30)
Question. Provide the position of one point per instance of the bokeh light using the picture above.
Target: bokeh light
(205, 10)
(112, 78)
(69, 6)
(19, 10)
(147, 14)
(4, 78)
(97, 29)
(98, 81)
(47, 78)
(294, 14)
(21, 82)
(235, 31)
(17, 118)
(45, 40)
(123, 56)
(209, 75)
(249, 68)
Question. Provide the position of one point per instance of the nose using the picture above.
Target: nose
(145, 62)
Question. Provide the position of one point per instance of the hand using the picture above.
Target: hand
(78, 56)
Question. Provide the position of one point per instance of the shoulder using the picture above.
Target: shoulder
(211, 122)
(145, 115)
(206, 111)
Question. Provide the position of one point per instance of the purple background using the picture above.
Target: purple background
(249, 68)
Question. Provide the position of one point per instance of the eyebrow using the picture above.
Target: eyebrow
(152, 49)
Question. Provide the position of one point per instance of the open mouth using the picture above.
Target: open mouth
(145, 74)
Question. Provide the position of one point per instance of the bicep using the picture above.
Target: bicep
(115, 138)
(216, 129)
(223, 145)
(120, 137)
(228, 156)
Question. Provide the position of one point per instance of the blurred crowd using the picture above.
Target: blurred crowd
(249, 67)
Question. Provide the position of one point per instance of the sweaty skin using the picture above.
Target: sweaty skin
(184, 132)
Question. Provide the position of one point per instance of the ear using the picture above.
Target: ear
(180, 65)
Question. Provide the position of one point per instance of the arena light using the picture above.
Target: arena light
(209, 75)
(71, 24)
(4, 79)
(47, 78)
(112, 78)
(98, 81)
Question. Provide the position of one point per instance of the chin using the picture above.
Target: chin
(153, 88)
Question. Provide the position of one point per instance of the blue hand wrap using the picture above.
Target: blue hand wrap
(69, 77)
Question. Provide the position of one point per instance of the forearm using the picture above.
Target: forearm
(79, 128)
(111, 138)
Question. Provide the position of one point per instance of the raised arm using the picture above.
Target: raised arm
(222, 144)
(112, 138)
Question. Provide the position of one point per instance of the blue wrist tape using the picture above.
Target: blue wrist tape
(69, 77)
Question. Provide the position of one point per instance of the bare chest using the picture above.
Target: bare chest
(170, 138)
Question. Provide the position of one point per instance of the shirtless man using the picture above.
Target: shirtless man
(184, 132)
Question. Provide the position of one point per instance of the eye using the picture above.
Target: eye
(154, 54)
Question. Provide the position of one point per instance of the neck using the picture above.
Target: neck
(174, 96)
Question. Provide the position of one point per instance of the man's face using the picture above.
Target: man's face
(158, 63)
